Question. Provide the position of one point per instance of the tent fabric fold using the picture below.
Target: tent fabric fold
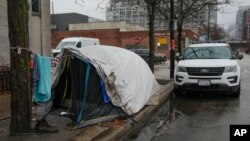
(128, 80)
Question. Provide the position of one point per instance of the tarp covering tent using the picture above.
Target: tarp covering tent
(111, 73)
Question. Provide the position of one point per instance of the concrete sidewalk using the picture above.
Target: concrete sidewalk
(120, 129)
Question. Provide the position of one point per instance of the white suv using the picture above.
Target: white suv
(208, 67)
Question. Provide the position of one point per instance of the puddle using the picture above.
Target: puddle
(157, 127)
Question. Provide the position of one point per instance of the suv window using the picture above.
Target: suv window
(64, 44)
(208, 53)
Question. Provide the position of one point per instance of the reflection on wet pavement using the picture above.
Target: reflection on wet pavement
(202, 117)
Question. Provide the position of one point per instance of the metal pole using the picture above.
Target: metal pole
(208, 24)
(172, 60)
(172, 40)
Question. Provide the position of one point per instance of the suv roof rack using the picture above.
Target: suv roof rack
(211, 41)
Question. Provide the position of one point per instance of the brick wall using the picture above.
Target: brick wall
(115, 37)
(106, 36)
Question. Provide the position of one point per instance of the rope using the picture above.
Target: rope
(19, 49)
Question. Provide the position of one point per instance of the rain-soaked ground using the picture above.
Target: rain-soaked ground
(202, 117)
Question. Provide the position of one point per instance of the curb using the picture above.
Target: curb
(126, 131)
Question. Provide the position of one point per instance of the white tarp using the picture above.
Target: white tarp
(129, 81)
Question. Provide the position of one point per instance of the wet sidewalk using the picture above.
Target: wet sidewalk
(119, 129)
(4, 105)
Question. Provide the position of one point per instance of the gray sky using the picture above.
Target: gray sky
(226, 15)
(86, 7)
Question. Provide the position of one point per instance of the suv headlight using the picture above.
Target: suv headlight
(230, 69)
(181, 69)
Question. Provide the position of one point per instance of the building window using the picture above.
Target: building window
(36, 6)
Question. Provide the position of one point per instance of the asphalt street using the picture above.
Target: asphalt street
(202, 117)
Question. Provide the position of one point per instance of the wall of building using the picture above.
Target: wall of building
(131, 39)
(240, 24)
(130, 11)
(248, 25)
(45, 28)
(122, 25)
(106, 36)
(39, 31)
(62, 21)
(4, 34)
(35, 34)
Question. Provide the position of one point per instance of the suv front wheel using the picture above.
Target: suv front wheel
(178, 91)
(237, 93)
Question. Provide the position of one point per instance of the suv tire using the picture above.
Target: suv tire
(178, 92)
(237, 93)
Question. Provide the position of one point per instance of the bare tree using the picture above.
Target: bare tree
(150, 6)
(186, 11)
(218, 33)
(151, 10)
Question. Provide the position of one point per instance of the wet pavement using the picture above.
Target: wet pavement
(202, 117)
(114, 131)
(5, 104)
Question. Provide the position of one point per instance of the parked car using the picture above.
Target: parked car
(210, 67)
(77, 42)
(144, 53)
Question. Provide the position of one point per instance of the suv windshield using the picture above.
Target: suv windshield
(63, 44)
(208, 53)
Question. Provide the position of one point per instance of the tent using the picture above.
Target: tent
(101, 81)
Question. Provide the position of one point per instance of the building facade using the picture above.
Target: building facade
(126, 39)
(122, 25)
(133, 12)
(39, 29)
(61, 22)
(248, 25)
(240, 24)
(203, 18)
(4, 39)
(242, 31)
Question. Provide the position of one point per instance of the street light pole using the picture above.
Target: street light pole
(172, 40)
(172, 59)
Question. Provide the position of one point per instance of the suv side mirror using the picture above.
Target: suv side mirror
(79, 45)
(178, 57)
(236, 53)
(240, 56)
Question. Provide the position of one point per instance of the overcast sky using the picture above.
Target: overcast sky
(86, 7)
(226, 15)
